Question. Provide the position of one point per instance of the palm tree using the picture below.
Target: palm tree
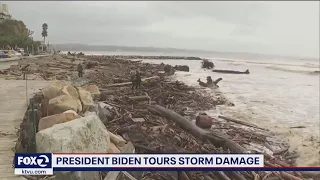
(44, 33)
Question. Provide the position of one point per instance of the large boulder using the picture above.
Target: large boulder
(70, 91)
(84, 135)
(63, 103)
(53, 89)
(49, 121)
(94, 90)
(104, 111)
(86, 100)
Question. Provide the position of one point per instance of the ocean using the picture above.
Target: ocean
(279, 93)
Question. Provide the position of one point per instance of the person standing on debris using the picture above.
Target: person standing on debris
(135, 79)
(80, 70)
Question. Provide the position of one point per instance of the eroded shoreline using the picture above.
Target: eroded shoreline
(146, 137)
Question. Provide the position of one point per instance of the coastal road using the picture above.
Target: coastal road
(6, 62)
(17, 58)
(13, 100)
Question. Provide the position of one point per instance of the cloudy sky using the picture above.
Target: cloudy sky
(284, 28)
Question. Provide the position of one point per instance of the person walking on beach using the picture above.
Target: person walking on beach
(80, 70)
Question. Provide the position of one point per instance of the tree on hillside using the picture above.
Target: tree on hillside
(44, 33)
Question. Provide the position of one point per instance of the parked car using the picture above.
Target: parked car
(3, 54)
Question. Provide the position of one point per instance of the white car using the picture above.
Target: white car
(15, 53)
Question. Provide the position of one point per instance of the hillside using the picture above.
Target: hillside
(13, 28)
(14, 32)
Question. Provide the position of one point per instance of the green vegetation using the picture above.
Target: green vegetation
(15, 33)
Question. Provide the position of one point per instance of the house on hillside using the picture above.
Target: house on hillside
(4, 11)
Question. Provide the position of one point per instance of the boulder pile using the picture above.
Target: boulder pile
(72, 121)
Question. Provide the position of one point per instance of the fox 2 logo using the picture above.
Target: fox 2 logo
(38, 160)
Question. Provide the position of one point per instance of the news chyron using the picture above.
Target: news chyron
(47, 163)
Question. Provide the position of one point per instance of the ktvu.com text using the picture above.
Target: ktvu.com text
(46, 163)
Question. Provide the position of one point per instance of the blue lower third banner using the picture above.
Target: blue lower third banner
(47, 163)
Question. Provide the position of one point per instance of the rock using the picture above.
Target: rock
(182, 68)
(207, 64)
(53, 90)
(88, 113)
(204, 121)
(113, 149)
(85, 135)
(94, 90)
(117, 140)
(63, 103)
(70, 91)
(78, 175)
(49, 121)
(86, 100)
(104, 112)
(58, 88)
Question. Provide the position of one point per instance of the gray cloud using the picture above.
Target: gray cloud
(286, 28)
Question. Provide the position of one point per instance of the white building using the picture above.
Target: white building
(4, 11)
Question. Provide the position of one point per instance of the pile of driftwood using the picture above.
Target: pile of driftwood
(158, 118)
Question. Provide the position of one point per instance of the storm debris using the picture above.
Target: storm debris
(159, 116)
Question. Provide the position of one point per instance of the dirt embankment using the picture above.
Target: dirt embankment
(142, 115)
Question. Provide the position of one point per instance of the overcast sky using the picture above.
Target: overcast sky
(284, 28)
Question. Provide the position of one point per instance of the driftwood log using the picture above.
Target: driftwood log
(218, 140)
(231, 71)
(241, 122)
(153, 78)
(214, 83)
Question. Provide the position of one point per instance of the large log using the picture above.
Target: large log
(218, 140)
(129, 83)
(231, 71)
(214, 83)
